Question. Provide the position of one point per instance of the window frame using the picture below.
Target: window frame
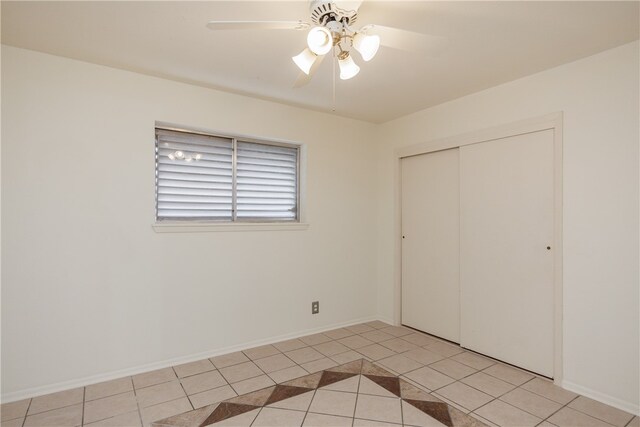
(190, 225)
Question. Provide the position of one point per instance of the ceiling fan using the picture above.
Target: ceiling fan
(332, 31)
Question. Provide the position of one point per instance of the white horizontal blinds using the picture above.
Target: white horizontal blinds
(266, 182)
(194, 176)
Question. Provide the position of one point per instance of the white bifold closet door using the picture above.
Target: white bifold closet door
(506, 253)
(430, 243)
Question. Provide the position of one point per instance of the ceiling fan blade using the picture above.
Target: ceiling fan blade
(303, 78)
(258, 25)
(407, 40)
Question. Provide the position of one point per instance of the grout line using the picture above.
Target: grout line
(26, 414)
(84, 395)
(182, 387)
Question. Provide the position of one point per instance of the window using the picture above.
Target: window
(203, 177)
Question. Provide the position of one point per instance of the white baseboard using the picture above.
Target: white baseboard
(93, 379)
(630, 407)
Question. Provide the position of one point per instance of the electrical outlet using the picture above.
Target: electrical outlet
(315, 307)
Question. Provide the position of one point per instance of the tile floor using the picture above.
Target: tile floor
(494, 393)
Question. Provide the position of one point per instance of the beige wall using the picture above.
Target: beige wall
(88, 288)
(599, 98)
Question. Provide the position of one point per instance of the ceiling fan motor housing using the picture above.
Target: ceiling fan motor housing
(323, 11)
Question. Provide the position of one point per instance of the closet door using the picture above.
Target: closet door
(430, 243)
(506, 258)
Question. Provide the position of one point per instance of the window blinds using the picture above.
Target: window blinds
(194, 176)
(266, 181)
(199, 178)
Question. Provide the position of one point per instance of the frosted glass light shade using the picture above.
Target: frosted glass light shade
(366, 45)
(305, 60)
(348, 68)
(319, 40)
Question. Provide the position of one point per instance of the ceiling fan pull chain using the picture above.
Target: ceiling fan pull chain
(334, 79)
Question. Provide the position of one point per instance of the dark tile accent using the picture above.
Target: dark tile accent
(369, 368)
(352, 367)
(329, 377)
(227, 410)
(282, 392)
(254, 398)
(437, 410)
(308, 381)
(391, 384)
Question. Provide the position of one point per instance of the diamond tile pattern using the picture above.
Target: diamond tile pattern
(371, 374)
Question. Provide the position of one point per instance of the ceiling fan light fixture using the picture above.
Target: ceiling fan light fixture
(348, 68)
(304, 60)
(319, 40)
(367, 45)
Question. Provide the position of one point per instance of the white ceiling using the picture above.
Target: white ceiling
(486, 43)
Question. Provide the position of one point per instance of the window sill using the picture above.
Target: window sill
(173, 227)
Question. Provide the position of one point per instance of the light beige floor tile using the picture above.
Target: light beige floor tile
(400, 364)
(488, 384)
(360, 329)
(443, 348)
(377, 324)
(159, 393)
(320, 420)
(601, 411)
(164, 410)
(349, 385)
(451, 403)
(412, 416)
(107, 407)
(531, 402)
(337, 334)
(355, 342)
(252, 384)
(333, 403)
(378, 408)
(546, 424)
(506, 415)
(315, 339)
(464, 395)
(287, 374)
(419, 339)
(304, 355)
(398, 345)
(240, 372)
(484, 420)
(154, 377)
(377, 336)
(260, 352)
(210, 397)
(347, 357)
(369, 387)
(331, 348)
(452, 368)
(130, 419)
(429, 378)
(508, 374)
(376, 352)
(69, 416)
(242, 420)
(357, 422)
(567, 417)
(319, 365)
(13, 410)
(274, 363)
(546, 388)
(16, 422)
(194, 368)
(296, 403)
(229, 359)
(270, 417)
(108, 388)
(473, 360)
(423, 356)
(289, 345)
(201, 382)
(56, 400)
(397, 331)
(635, 422)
